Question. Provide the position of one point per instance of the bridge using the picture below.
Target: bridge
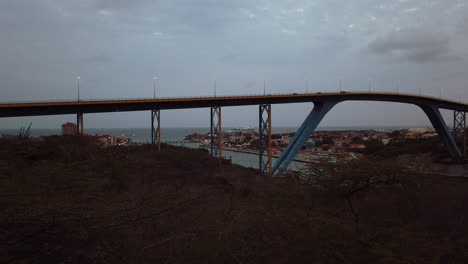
(323, 103)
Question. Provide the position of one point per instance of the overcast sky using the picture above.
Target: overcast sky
(117, 46)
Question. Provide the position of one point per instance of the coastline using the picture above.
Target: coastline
(256, 153)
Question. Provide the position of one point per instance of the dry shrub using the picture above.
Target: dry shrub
(393, 208)
(76, 202)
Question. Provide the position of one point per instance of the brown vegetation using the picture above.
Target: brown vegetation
(66, 200)
(414, 147)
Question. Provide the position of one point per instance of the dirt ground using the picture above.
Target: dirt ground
(66, 200)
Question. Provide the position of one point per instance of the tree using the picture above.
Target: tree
(355, 180)
(357, 140)
(373, 146)
(396, 133)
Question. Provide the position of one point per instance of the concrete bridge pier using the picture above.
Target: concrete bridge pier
(79, 124)
(321, 108)
(216, 132)
(156, 131)
(264, 140)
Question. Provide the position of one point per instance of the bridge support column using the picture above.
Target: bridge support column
(434, 115)
(459, 124)
(156, 132)
(307, 128)
(79, 124)
(465, 143)
(216, 132)
(264, 140)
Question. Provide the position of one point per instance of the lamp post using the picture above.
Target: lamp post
(155, 78)
(78, 79)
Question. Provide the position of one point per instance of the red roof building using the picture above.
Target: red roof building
(69, 129)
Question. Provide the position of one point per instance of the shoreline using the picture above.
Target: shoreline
(256, 153)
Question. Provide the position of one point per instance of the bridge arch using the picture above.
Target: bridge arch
(321, 109)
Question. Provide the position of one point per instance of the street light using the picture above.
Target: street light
(78, 79)
(155, 78)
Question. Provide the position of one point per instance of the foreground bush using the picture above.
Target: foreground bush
(68, 200)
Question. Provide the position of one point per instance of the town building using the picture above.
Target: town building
(105, 140)
(69, 129)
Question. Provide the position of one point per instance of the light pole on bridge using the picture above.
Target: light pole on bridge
(79, 115)
(78, 79)
(215, 88)
(155, 78)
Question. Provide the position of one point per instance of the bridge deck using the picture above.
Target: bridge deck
(100, 106)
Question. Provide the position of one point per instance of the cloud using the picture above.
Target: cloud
(161, 35)
(248, 13)
(100, 58)
(416, 45)
(118, 4)
(251, 85)
(288, 31)
(463, 26)
(411, 10)
(104, 12)
(117, 44)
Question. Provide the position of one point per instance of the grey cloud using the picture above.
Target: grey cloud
(463, 26)
(415, 45)
(119, 4)
(201, 16)
(251, 85)
(100, 58)
(118, 45)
